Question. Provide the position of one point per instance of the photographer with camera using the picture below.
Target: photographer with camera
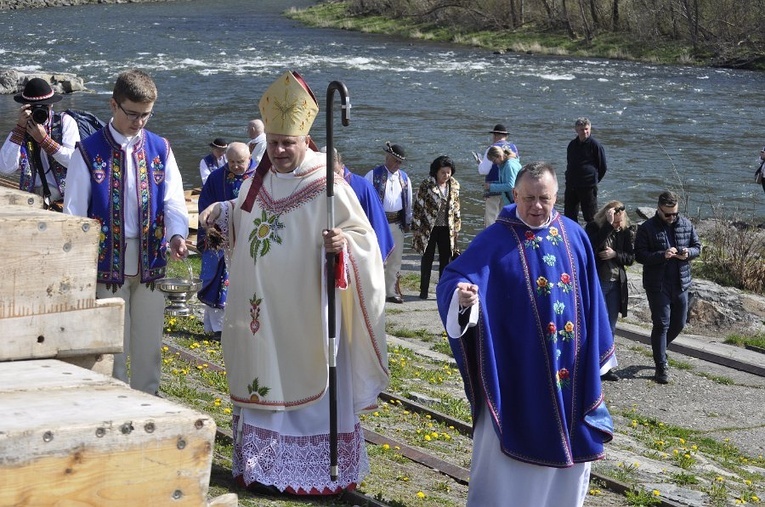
(35, 148)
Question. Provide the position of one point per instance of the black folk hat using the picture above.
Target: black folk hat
(219, 142)
(396, 150)
(37, 91)
(499, 129)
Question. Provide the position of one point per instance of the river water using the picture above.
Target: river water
(693, 130)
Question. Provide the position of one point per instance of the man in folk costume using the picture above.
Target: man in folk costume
(34, 146)
(530, 333)
(395, 192)
(370, 203)
(213, 160)
(275, 328)
(127, 178)
(222, 184)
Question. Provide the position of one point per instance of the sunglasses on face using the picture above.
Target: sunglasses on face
(670, 215)
(619, 209)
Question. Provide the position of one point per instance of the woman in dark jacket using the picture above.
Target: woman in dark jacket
(613, 243)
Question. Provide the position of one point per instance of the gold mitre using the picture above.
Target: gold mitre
(288, 107)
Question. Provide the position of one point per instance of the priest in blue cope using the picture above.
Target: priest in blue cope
(528, 326)
(222, 185)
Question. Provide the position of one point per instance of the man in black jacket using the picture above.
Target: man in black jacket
(665, 245)
(585, 167)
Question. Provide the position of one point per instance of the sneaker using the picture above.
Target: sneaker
(610, 375)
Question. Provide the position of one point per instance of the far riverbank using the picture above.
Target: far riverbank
(6, 5)
(526, 39)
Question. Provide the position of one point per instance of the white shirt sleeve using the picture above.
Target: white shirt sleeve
(204, 171)
(410, 211)
(70, 136)
(453, 328)
(176, 213)
(485, 166)
(9, 156)
(77, 195)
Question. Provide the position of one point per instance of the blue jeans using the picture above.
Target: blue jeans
(612, 293)
(669, 313)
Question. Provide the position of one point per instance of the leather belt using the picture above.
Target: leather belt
(393, 216)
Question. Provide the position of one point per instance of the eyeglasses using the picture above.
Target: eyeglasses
(136, 116)
(619, 209)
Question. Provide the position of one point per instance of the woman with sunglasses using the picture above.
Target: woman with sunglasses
(612, 240)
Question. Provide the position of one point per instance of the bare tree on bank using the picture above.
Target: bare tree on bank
(722, 32)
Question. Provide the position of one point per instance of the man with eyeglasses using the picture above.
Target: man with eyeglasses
(665, 245)
(127, 178)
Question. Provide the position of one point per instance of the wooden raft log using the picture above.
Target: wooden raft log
(69, 436)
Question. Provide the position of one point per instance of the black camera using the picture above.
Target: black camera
(40, 113)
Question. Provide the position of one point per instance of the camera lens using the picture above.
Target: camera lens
(40, 113)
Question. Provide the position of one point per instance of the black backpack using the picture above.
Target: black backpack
(87, 123)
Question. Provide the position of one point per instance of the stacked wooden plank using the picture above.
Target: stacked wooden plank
(71, 435)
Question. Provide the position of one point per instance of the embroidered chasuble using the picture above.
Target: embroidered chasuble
(528, 363)
(275, 337)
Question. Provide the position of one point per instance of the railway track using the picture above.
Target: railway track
(455, 472)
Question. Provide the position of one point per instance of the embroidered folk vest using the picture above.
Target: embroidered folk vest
(106, 163)
(28, 167)
(379, 180)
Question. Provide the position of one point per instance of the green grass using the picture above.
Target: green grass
(742, 341)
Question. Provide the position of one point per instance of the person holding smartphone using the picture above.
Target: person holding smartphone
(665, 244)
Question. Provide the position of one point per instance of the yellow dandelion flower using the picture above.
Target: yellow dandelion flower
(682, 441)
(755, 499)
(434, 434)
(165, 348)
(217, 402)
(386, 446)
(655, 492)
(397, 447)
(376, 414)
(427, 416)
(226, 410)
(406, 412)
(420, 494)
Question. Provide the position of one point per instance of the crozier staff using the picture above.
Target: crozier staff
(274, 335)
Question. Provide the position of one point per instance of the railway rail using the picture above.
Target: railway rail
(455, 472)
